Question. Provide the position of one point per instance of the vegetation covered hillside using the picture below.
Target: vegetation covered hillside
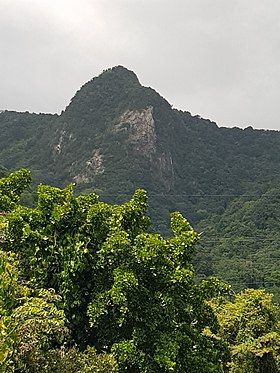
(116, 136)
(242, 244)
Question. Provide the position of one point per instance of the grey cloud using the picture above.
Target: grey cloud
(216, 58)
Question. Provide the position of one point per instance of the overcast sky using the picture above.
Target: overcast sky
(216, 58)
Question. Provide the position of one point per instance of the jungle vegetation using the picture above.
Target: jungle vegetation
(86, 288)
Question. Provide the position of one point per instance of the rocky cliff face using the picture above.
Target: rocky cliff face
(139, 128)
(110, 130)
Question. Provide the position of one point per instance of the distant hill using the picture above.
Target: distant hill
(116, 136)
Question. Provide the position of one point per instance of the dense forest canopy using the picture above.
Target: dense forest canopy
(97, 285)
(85, 288)
(116, 136)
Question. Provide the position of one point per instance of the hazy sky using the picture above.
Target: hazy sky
(216, 58)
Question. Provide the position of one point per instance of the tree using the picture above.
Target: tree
(11, 188)
(250, 324)
(124, 291)
(30, 321)
(34, 335)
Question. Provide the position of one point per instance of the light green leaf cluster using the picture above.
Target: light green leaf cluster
(250, 324)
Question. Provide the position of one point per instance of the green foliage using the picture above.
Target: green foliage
(30, 321)
(72, 361)
(250, 323)
(33, 330)
(151, 302)
(11, 189)
(123, 290)
(219, 177)
(10, 290)
(241, 245)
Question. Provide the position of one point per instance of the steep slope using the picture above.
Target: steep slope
(109, 133)
(25, 141)
(242, 244)
(116, 130)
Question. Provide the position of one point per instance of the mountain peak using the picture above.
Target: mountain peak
(120, 73)
(111, 85)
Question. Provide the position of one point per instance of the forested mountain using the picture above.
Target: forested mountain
(116, 136)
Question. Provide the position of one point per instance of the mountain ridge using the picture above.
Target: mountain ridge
(116, 102)
(109, 110)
